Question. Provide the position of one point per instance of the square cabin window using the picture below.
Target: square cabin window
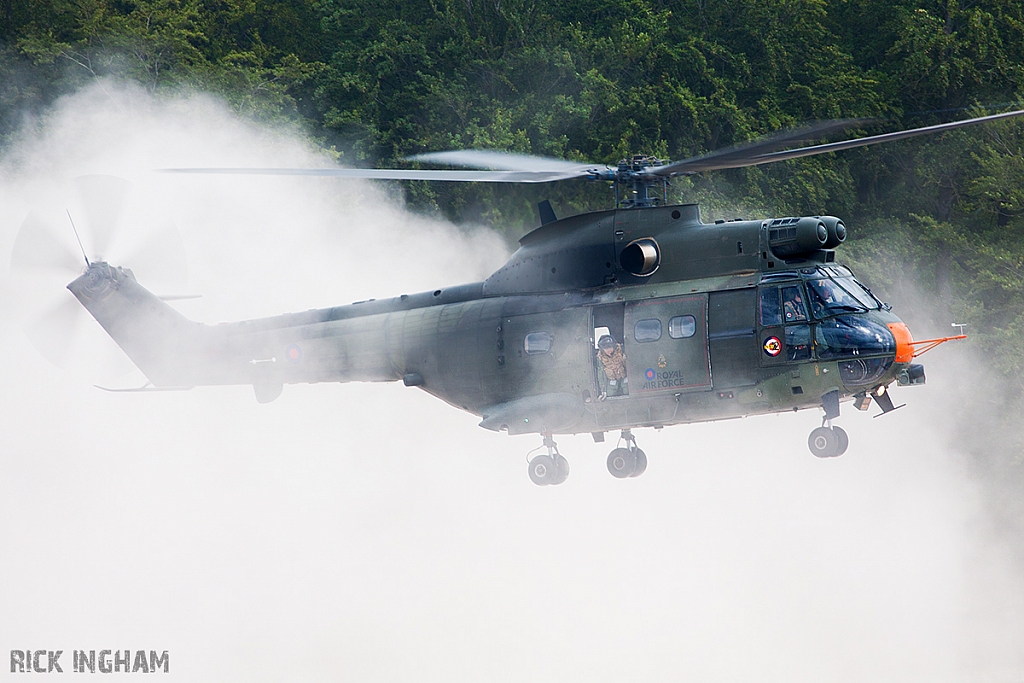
(648, 330)
(682, 326)
(538, 342)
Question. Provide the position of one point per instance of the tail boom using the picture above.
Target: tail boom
(173, 351)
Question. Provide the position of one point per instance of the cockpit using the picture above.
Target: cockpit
(831, 290)
(826, 314)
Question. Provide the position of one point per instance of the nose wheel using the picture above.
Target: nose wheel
(828, 442)
(551, 468)
(627, 460)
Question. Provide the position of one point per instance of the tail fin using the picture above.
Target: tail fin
(158, 339)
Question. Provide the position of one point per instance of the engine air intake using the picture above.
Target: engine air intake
(794, 236)
(640, 257)
(836, 231)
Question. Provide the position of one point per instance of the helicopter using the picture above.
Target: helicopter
(638, 316)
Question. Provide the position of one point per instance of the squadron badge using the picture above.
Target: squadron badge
(772, 346)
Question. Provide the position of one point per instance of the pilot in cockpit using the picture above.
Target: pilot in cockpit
(793, 304)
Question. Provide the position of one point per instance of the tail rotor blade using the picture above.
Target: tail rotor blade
(103, 199)
(56, 330)
(38, 247)
(47, 255)
(159, 260)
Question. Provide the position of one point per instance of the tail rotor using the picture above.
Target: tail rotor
(56, 244)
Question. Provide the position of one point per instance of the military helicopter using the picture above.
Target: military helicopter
(696, 321)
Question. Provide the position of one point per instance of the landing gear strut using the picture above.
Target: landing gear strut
(827, 441)
(550, 469)
(629, 461)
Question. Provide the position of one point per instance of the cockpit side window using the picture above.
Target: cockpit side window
(798, 342)
(771, 309)
(793, 304)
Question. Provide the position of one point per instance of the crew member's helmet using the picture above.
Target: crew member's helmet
(606, 342)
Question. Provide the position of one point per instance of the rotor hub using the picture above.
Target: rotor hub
(636, 174)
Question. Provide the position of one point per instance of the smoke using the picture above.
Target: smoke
(371, 532)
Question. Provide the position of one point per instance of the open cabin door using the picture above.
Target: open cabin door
(666, 344)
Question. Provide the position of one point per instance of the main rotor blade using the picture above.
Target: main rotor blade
(103, 199)
(398, 174)
(738, 155)
(838, 146)
(502, 161)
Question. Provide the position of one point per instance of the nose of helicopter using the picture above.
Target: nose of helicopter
(904, 341)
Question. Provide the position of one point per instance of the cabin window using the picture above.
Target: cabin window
(648, 330)
(771, 309)
(538, 342)
(682, 326)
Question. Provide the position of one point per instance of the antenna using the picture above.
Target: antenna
(87, 264)
(960, 325)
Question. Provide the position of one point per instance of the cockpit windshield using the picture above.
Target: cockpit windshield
(839, 294)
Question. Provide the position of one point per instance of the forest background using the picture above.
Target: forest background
(935, 223)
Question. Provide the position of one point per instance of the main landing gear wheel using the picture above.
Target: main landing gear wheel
(550, 469)
(641, 462)
(563, 469)
(828, 442)
(627, 462)
(542, 470)
(844, 439)
(621, 463)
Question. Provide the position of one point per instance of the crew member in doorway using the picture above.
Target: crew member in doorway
(613, 362)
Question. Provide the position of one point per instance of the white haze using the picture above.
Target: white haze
(373, 533)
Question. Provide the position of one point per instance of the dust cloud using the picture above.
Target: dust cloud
(370, 532)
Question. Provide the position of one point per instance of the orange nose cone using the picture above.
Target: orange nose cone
(904, 345)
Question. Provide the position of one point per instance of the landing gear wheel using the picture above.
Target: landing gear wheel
(561, 469)
(544, 471)
(824, 443)
(844, 439)
(622, 463)
(641, 462)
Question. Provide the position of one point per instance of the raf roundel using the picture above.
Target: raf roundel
(650, 374)
(293, 353)
(772, 346)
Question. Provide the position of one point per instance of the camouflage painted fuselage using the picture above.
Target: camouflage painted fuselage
(705, 334)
